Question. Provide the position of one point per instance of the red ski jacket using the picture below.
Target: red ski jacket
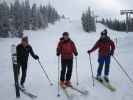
(66, 48)
(105, 47)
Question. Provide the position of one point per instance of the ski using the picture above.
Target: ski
(112, 88)
(107, 85)
(69, 96)
(30, 95)
(15, 70)
(85, 92)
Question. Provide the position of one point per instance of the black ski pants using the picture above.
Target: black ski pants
(66, 69)
(23, 68)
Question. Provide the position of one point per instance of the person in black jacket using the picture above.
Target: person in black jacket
(23, 50)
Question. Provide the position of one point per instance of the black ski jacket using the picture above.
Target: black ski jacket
(23, 54)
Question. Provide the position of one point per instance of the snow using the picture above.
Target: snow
(44, 43)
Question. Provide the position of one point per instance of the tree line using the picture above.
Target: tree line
(119, 25)
(16, 17)
(88, 20)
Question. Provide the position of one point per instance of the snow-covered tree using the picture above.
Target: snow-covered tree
(27, 15)
(119, 25)
(34, 19)
(16, 17)
(88, 21)
(4, 22)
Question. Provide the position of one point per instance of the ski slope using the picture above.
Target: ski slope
(44, 43)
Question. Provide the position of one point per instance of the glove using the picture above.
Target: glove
(36, 57)
(111, 53)
(76, 53)
(58, 54)
(88, 51)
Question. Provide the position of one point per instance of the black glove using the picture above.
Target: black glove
(88, 51)
(58, 54)
(111, 53)
(36, 57)
(76, 54)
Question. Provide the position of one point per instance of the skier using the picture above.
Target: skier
(66, 48)
(23, 49)
(106, 49)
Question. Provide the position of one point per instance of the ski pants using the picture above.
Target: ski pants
(23, 68)
(104, 60)
(66, 69)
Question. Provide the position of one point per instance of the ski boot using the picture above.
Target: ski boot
(22, 86)
(106, 79)
(62, 84)
(68, 83)
(99, 79)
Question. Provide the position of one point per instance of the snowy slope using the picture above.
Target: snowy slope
(44, 43)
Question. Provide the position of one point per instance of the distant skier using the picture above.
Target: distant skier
(23, 50)
(106, 49)
(66, 48)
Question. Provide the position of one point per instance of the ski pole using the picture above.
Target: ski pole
(77, 81)
(45, 73)
(58, 77)
(91, 70)
(122, 68)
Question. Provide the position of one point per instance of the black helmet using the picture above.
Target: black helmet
(104, 32)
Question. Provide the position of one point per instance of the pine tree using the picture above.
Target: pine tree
(21, 16)
(4, 22)
(34, 15)
(18, 18)
(116, 24)
(88, 21)
(27, 15)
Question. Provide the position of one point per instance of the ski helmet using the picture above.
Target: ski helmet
(104, 32)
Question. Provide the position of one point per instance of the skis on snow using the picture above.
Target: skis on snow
(107, 85)
(68, 95)
(82, 92)
(25, 92)
(71, 96)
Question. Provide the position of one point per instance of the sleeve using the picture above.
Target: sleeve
(74, 48)
(95, 46)
(112, 46)
(32, 52)
(58, 50)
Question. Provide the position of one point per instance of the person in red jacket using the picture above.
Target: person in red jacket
(106, 49)
(66, 48)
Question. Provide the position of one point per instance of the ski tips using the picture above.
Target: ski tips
(58, 95)
(51, 84)
(86, 93)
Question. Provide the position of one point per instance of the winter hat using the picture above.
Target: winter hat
(104, 32)
(65, 34)
(25, 39)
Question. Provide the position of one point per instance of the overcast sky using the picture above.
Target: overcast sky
(74, 8)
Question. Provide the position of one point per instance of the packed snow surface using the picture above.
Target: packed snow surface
(44, 43)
